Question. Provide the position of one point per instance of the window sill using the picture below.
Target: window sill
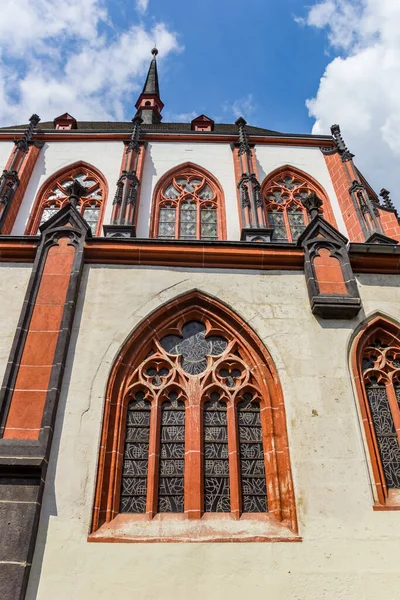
(392, 501)
(216, 527)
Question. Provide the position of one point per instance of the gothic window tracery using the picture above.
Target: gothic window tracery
(188, 206)
(54, 195)
(194, 364)
(381, 373)
(283, 193)
(195, 420)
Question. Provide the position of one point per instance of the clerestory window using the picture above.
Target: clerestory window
(54, 195)
(188, 206)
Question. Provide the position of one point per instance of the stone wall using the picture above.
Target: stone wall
(347, 551)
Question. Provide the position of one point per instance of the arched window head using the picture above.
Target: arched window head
(53, 196)
(194, 425)
(376, 366)
(188, 205)
(282, 193)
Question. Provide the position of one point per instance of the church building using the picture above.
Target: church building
(200, 363)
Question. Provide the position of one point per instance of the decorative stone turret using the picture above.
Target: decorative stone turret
(331, 284)
(149, 103)
(254, 228)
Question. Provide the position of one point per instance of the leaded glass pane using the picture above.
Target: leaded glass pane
(208, 224)
(296, 222)
(172, 456)
(136, 456)
(166, 223)
(91, 216)
(206, 193)
(171, 192)
(385, 432)
(252, 469)
(48, 212)
(277, 222)
(57, 193)
(188, 221)
(216, 457)
(194, 347)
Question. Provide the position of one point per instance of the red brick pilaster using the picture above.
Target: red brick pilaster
(341, 179)
(25, 172)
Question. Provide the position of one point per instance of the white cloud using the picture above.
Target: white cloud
(76, 61)
(360, 88)
(141, 6)
(242, 107)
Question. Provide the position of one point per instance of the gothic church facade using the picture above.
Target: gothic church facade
(200, 357)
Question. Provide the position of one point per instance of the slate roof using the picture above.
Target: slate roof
(126, 126)
(151, 84)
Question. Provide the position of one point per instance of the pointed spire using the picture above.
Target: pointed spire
(149, 103)
(151, 86)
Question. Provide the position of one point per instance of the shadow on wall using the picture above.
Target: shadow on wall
(378, 280)
(146, 196)
(49, 506)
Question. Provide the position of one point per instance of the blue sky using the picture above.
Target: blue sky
(291, 65)
(250, 53)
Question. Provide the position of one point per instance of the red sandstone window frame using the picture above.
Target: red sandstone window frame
(279, 523)
(42, 198)
(389, 332)
(270, 184)
(189, 170)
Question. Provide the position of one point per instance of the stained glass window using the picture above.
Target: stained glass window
(178, 371)
(385, 432)
(209, 224)
(276, 220)
(188, 221)
(296, 223)
(216, 457)
(48, 213)
(188, 209)
(283, 204)
(172, 456)
(252, 469)
(136, 454)
(166, 225)
(380, 366)
(55, 197)
(91, 215)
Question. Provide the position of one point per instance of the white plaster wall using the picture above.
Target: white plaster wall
(348, 550)
(216, 158)
(105, 156)
(13, 283)
(5, 151)
(309, 160)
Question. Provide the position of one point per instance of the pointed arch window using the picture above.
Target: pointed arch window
(199, 409)
(188, 205)
(282, 194)
(53, 196)
(376, 364)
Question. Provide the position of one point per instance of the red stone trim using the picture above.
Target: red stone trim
(32, 384)
(188, 169)
(282, 512)
(341, 180)
(66, 172)
(378, 327)
(24, 175)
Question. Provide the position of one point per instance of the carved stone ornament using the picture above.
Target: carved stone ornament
(331, 285)
(312, 203)
(256, 234)
(344, 152)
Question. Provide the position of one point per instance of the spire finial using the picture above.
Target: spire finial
(154, 51)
